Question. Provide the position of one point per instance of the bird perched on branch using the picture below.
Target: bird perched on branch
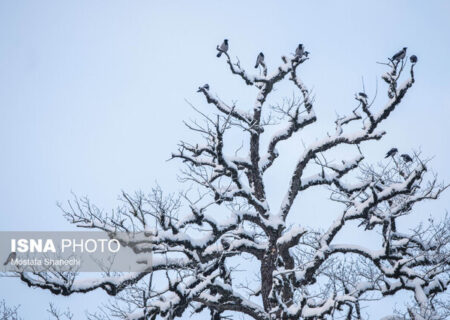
(206, 87)
(413, 58)
(406, 157)
(399, 55)
(362, 95)
(391, 153)
(223, 48)
(299, 51)
(259, 59)
(10, 258)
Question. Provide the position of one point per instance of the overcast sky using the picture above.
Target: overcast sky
(92, 93)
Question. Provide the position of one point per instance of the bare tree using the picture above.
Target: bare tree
(8, 313)
(57, 314)
(302, 273)
(11, 313)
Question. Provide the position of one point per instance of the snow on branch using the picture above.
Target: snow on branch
(199, 238)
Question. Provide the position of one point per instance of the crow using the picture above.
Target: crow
(223, 48)
(299, 51)
(391, 153)
(206, 87)
(406, 157)
(413, 58)
(399, 55)
(259, 59)
(362, 94)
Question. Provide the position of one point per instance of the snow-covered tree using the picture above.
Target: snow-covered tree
(198, 239)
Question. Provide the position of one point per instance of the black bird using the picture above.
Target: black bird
(413, 58)
(11, 257)
(223, 48)
(391, 153)
(259, 59)
(362, 94)
(206, 87)
(406, 157)
(399, 55)
(299, 51)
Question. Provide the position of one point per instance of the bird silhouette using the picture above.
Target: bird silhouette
(223, 48)
(362, 94)
(406, 157)
(299, 51)
(399, 55)
(413, 58)
(10, 258)
(206, 87)
(391, 153)
(259, 59)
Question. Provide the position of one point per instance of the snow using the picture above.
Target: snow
(291, 234)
